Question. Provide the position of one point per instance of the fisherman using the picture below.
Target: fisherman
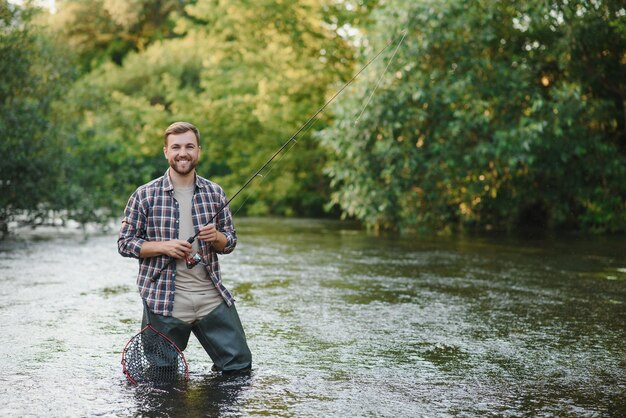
(187, 295)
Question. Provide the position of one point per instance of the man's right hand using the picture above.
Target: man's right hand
(175, 248)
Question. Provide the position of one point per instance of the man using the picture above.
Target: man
(159, 218)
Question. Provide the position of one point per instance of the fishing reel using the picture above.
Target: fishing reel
(194, 260)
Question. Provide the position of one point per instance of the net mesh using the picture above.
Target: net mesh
(151, 357)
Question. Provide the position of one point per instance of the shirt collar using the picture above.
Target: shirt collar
(169, 186)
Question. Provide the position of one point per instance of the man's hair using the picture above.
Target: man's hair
(177, 128)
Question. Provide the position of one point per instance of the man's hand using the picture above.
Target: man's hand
(210, 234)
(175, 248)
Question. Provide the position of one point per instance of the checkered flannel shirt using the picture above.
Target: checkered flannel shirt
(152, 214)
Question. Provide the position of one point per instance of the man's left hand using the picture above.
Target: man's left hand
(208, 233)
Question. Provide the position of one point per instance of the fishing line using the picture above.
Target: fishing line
(266, 175)
(356, 121)
(304, 127)
(381, 77)
(276, 164)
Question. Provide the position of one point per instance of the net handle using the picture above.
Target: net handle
(146, 310)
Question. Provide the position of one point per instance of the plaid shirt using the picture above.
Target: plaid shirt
(152, 214)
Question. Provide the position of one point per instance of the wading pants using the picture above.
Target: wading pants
(220, 333)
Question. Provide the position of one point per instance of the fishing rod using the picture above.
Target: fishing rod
(196, 258)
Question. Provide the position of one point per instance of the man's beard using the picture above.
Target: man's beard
(190, 167)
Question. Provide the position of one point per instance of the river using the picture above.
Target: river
(340, 323)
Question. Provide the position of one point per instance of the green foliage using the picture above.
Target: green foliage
(494, 113)
(99, 31)
(247, 77)
(32, 74)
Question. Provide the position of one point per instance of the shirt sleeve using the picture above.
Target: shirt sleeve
(133, 231)
(226, 227)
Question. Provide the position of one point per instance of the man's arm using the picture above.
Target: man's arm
(132, 240)
(131, 236)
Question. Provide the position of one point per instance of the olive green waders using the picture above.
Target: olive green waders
(220, 333)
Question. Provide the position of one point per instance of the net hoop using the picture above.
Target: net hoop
(129, 349)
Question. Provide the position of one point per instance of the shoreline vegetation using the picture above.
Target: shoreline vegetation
(492, 116)
(55, 228)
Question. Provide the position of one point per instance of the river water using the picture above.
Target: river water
(340, 323)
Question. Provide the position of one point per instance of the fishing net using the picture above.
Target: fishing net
(151, 357)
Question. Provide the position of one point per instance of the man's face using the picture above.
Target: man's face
(182, 152)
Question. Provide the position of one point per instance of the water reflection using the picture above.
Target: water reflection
(208, 396)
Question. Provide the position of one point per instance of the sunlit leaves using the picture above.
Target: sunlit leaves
(501, 116)
(247, 76)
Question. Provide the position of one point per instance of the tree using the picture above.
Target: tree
(33, 72)
(494, 114)
(100, 31)
(247, 76)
